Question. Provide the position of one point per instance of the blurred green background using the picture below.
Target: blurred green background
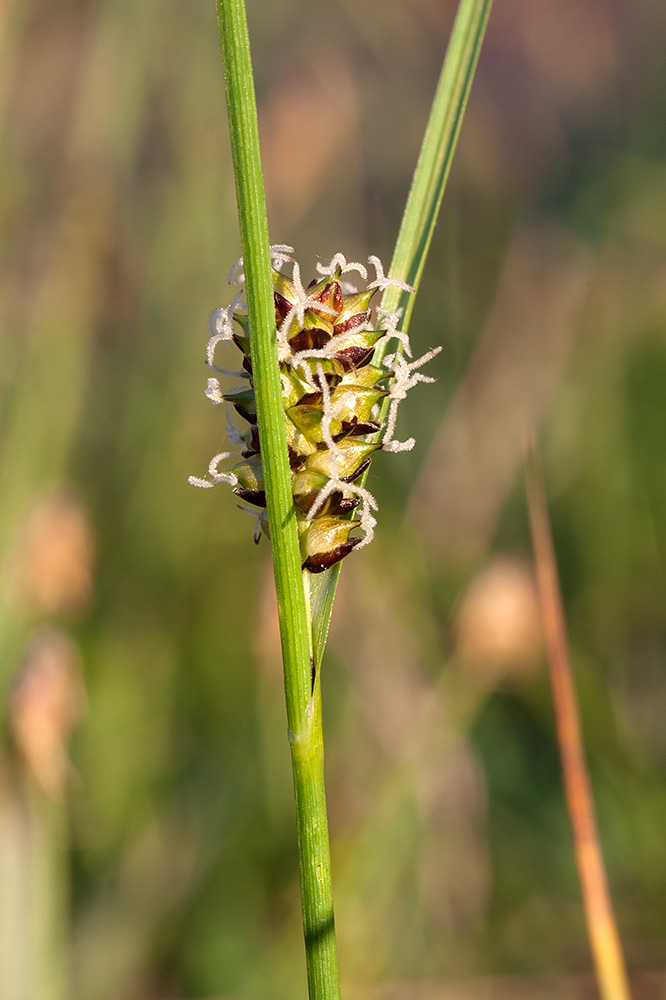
(147, 842)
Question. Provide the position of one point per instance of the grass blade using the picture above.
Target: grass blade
(420, 217)
(439, 144)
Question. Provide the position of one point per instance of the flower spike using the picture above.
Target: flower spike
(332, 396)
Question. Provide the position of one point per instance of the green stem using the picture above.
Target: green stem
(302, 696)
(307, 760)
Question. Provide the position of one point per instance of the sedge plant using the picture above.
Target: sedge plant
(323, 368)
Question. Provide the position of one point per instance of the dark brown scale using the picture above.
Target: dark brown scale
(359, 472)
(334, 505)
(315, 398)
(296, 461)
(355, 357)
(282, 307)
(317, 564)
(356, 320)
(352, 428)
(256, 497)
(330, 294)
(309, 340)
(332, 380)
(342, 505)
(311, 399)
(324, 293)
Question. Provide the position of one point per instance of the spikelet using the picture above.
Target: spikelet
(333, 398)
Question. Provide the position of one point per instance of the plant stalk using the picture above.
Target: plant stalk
(300, 678)
(599, 914)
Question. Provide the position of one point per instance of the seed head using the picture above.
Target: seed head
(339, 407)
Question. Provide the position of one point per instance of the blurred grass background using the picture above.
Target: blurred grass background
(154, 857)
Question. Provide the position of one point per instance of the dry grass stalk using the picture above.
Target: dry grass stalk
(599, 915)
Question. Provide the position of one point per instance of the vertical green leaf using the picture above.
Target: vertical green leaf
(420, 217)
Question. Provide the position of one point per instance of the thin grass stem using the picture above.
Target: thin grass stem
(301, 680)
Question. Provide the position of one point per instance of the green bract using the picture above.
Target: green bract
(339, 407)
